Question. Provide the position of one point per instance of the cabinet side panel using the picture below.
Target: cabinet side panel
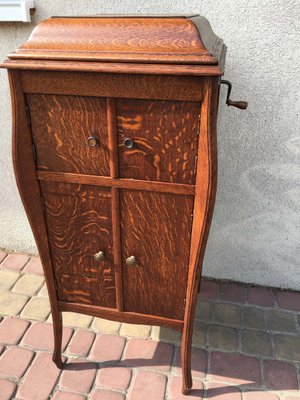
(155, 228)
(79, 225)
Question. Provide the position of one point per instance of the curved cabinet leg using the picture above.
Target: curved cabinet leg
(186, 349)
(57, 330)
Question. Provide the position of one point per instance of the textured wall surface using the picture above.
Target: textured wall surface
(255, 230)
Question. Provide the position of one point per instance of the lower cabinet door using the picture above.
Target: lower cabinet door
(79, 225)
(155, 235)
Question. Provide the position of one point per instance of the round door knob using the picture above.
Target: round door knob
(92, 141)
(128, 143)
(131, 261)
(99, 256)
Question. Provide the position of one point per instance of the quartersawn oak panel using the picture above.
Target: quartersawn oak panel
(79, 225)
(165, 136)
(155, 228)
(61, 126)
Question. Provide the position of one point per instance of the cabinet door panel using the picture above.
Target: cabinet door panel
(155, 228)
(61, 126)
(165, 137)
(78, 219)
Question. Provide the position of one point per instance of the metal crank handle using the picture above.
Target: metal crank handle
(242, 105)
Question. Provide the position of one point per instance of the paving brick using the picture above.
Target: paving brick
(14, 262)
(141, 331)
(254, 318)
(14, 362)
(148, 385)
(40, 337)
(43, 291)
(148, 353)
(288, 300)
(107, 348)
(260, 395)
(218, 391)
(59, 395)
(199, 334)
(105, 326)
(235, 368)
(115, 378)
(81, 343)
(174, 390)
(78, 376)
(12, 330)
(292, 398)
(279, 375)
(256, 343)
(7, 389)
(161, 333)
(208, 290)
(227, 314)
(34, 266)
(38, 309)
(198, 362)
(8, 279)
(232, 292)
(28, 284)
(203, 310)
(40, 379)
(287, 347)
(260, 296)
(222, 338)
(12, 303)
(3, 254)
(281, 321)
(77, 320)
(106, 395)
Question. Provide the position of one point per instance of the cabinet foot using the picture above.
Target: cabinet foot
(57, 330)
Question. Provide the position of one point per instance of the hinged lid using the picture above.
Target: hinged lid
(126, 39)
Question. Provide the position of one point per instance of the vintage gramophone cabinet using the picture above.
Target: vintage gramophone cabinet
(115, 156)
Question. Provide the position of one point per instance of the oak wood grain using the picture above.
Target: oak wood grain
(61, 126)
(105, 181)
(206, 183)
(165, 139)
(124, 316)
(79, 225)
(147, 40)
(155, 228)
(116, 68)
(113, 85)
(28, 185)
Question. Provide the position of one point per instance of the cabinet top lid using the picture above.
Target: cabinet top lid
(130, 39)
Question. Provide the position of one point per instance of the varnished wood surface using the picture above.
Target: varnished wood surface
(117, 68)
(113, 85)
(165, 137)
(61, 126)
(79, 225)
(155, 228)
(124, 316)
(163, 187)
(28, 185)
(206, 183)
(148, 40)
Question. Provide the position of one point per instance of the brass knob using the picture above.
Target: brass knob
(128, 143)
(92, 141)
(131, 261)
(99, 256)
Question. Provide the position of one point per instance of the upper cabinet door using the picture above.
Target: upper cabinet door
(158, 139)
(78, 219)
(61, 128)
(155, 230)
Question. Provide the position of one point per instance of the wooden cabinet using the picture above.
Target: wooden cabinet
(114, 146)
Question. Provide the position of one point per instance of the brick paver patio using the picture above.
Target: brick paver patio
(246, 346)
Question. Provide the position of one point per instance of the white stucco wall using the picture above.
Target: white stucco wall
(255, 230)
